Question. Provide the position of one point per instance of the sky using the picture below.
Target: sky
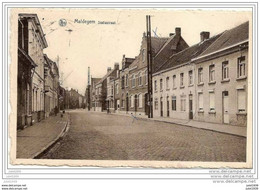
(98, 46)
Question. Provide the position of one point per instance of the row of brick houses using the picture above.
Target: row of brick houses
(37, 77)
(205, 82)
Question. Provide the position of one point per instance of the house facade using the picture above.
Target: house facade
(197, 83)
(100, 101)
(49, 87)
(223, 88)
(138, 76)
(34, 43)
(26, 67)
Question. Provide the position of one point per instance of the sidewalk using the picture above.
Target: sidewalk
(34, 139)
(223, 128)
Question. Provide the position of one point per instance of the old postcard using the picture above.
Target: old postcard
(131, 87)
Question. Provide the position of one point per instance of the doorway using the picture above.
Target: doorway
(161, 105)
(168, 107)
(225, 107)
(127, 103)
(190, 107)
(146, 104)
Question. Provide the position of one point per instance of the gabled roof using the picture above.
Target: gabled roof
(157, 43)
(187, 54)
(170, 47)
(229, 38)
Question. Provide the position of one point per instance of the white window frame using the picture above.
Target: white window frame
(183, 103)
(190, 77)
(174, 81)
(140, 100)
(241, 63)
(212, 104)
(167, 83)
(225, 70)
(200, 103)
(181, 79)
(161, 84)
(212, 73)
(200, 75)
(239, 101)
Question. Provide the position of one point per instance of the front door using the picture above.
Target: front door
(135, 103)
(127, 103)
(190, 107)
(168, 107)
(161, 107)
(146, 103)
(225, 107)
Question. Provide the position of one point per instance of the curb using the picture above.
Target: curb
(45, 149)
(185, 125)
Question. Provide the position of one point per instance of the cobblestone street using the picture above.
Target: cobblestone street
(100, 136)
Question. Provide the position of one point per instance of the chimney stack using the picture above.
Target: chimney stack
(171, 34)
(116, 66)
(204, 36)
(108, 69)
(178, 31)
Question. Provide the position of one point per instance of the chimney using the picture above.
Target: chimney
(108, 69)
(204, 36)
(116, 66)
(178, 31)
(171, 34)
(144, 35)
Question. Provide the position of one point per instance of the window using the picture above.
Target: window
(211, 73)
(132, 101)
(167, 83)
(174, 103)
(241, 67)
(156, 104)
(183, 103)
(116, 88)
(174, 81)
(139, 79)
(181, 79)
(241, 101)
(145, 77)
(225, 70)
(143, 55)
(133, 81)
(212, 101)
(140, 101)
(155, 85)
(200, 97)
(123, 82)
(161, 84)
(126, 80)
(200, 75)
(190, 78)
(112, 90)
(123, 103)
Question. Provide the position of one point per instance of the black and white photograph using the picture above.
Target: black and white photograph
(132, 85)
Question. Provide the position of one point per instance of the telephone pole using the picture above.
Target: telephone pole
(88, 89)
(149, 66)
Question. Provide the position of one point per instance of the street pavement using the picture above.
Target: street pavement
(36, 138)
(100, 136)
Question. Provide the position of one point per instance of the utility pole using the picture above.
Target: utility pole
(149, 66)
(88, 89)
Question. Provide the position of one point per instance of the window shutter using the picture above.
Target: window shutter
(212, 100)
(241, 100)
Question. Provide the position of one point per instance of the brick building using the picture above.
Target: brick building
(136, 90)
(34, 42)
(24, 81)
(197, 82)
(99, 101)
